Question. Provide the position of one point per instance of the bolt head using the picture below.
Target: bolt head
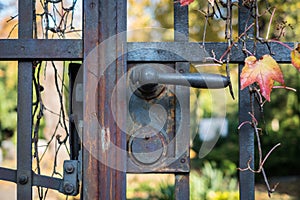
(68, 188)
(181, 71)
(23, 179)
(69, 168)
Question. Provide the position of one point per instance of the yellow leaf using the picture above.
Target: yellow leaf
(295, 57)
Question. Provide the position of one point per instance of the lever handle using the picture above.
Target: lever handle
(149, 75)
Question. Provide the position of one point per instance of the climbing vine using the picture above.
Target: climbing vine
(258, 75)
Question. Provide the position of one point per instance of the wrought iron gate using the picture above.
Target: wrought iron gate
(106, 20)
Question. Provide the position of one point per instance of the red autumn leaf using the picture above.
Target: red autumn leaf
(295, 57)
(185, 2)
(264, 72)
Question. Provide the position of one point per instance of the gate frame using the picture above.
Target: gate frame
(99, 24)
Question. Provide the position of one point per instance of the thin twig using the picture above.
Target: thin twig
(233, 43)
(12, 18)
(12, 29)
(284, 87)
(282, 43)
(205, 27)
(270, 22)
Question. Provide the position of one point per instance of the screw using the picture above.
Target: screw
(182, 160)
(92, 5)
(69, 168)
(68, 188)
(23, 179)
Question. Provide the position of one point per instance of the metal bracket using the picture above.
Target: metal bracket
(70, 183)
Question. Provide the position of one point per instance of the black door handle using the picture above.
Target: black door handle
(149, 75)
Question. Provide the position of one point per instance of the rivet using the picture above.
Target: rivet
(23, 179)
(182, 160)
(69, 168)
(68, 188)
(181, 70)
(92, 5)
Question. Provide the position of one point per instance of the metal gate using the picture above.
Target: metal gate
(108, 152)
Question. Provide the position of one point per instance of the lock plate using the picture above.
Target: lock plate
(155, 138)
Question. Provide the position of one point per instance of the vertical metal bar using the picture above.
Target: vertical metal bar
(181, 22)
(181, 33)
(121, 65)
(246, 145)
(74, 137)
(246, 133)
(113, 21)
(90, 164)
(24, 127)
(182, 190)
(104, 173)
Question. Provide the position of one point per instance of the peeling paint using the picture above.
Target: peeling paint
(105, 139)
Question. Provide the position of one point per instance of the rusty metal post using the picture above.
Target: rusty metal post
(104, 172)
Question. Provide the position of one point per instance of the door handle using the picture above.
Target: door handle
(147, 75)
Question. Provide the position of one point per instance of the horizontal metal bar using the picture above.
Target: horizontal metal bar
(32, 49)
(8, 174)
(38, 180)
(47, 182)
(193, 52)
(35, 49)
(165, 52)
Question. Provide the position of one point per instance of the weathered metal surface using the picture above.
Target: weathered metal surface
(182, 191)
(147, 145)
(104, 168)
(152, 125)
(8, 174)
(47, 182)
(24, 118)
(33, 49)
(246, 146)
(90, 164)
(43, 49)
(37, 180)
(149, 75)
(165, 51)
(193, 52)
(182, 111)
(115, 15)
(246, 133)
(181, 22)
(70, 183)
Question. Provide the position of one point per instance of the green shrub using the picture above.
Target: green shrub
(213, 183)
(210, 184)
